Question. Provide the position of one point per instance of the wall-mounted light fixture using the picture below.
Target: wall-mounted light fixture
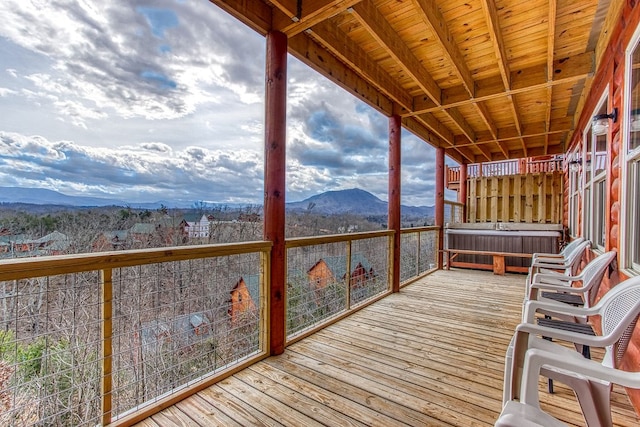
(574, 165)
(601, 121)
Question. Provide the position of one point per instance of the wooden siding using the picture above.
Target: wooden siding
(431, 354)
(530, 198)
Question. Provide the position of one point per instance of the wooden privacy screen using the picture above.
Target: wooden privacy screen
(534, 197)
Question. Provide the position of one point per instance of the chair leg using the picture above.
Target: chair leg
(549, 380)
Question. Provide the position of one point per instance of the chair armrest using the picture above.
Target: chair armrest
(535, 359)
(562, 287)
(547, 258)
(556, 276)
(532, 306)
(560, 334)
(550, 265)
(546, 255)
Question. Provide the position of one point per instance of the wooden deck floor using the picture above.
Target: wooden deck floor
(431, 355)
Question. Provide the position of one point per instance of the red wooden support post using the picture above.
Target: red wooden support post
(394, 196)
(439, 214)
(274, 182)
(462, 195)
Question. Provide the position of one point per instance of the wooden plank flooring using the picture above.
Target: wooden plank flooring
(431, 355)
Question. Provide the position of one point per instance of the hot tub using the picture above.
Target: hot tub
(501, 237)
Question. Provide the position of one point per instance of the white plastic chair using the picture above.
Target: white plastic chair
(570, 247)
(527, 412)
(618, 309)
(589, 278)
(566, 266)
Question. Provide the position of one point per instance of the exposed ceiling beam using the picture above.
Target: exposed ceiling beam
(298, 16)
(495, 34)
(563, 125)
(370, 18)
(315, 56)
(565, 70)
(551, 42)
(433, 18)
(435, 21)
(491, 18)
(338, 43)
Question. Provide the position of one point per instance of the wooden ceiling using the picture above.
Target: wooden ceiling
(485, 79)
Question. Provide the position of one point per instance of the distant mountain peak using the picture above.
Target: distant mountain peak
(352, 201)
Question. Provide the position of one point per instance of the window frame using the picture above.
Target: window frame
(575, 189)
(630, 172)
(595, 184)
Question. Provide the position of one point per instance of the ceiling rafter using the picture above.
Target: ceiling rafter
(442, 132)
(566, 70)
(433, 18)
(435, 21)
(476, 104)
(338, 43)
(298, 16)
(371, 19)
(530, 130)
(551, 42)
(495, 33)
(315, 56)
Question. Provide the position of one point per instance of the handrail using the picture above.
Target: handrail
(106, 264)
(296, 242)
(335, 288)
(507, 167)
(23, 268)
(419, 229)
(418, 252)
(105, 318)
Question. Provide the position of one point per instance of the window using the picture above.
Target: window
(573, 161)
(630, 225)
(595, 179)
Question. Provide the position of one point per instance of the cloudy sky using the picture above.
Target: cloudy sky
(164, 100)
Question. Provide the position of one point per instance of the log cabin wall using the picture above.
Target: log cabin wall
(610, 81)
(530, 198)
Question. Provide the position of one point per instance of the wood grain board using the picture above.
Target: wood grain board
(431, 355)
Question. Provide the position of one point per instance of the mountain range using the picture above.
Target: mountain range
(354, 201)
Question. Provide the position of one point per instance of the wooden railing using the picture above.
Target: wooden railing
(453, 212)
(112, 337)
(105, 338)
(506, 167)
(418, 252)
(329, 277)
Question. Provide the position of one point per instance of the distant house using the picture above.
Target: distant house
(18, 246)
(198, 227)
(175, 335)
(111, 241)
(245, 297)
(334, 268)
(54, 243)
(143, 234)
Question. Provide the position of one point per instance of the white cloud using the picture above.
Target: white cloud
(147, 99)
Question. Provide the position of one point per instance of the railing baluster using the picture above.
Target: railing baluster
(418, 255)
(348, 293)
(106, 276)
(265, 274)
